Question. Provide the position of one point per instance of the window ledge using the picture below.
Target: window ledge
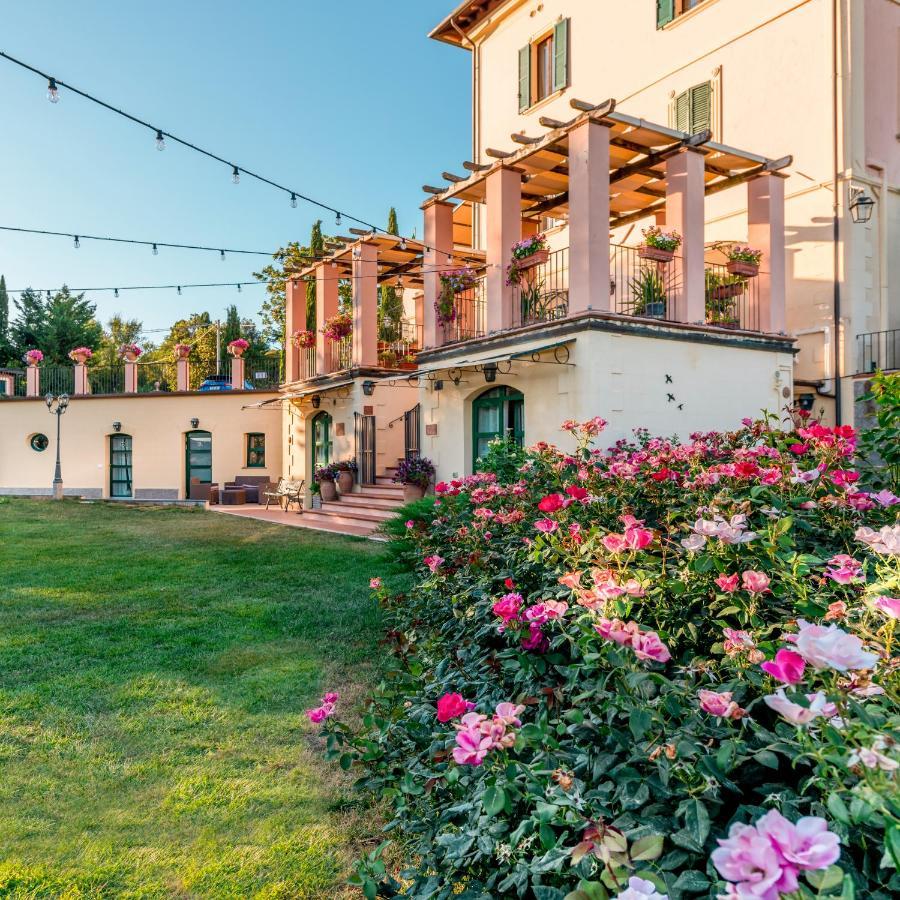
(684, 17)
(543, 102)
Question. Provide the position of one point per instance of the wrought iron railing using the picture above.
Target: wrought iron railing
(57, 380)
(263, 372)
(307, 363)
(156, 377)
(401, 351)
(731, 301)
(542, 294)
(470, 314)
(878, 350)
(642, 287)
(339, 354)
(13, 383)
(106, 379)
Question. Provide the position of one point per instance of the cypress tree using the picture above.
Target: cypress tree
(316, 249)
(4, 322)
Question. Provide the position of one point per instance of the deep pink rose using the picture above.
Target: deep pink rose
(546, 525)
(451, 706)
(728, 583)
(638, 538)
(552, 503)
(787, 666)
(507, 607)
(433, 562)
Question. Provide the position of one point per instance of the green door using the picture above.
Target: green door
(120, 465)
(198, 456)
(498, 412)
(322, 443)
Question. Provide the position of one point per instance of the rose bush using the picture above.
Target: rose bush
(666, 670)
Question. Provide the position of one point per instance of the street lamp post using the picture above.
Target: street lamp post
(57, 406)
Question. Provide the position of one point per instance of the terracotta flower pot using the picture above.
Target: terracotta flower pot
(727, 291)
(413, 492)
(182, 354)
(345, 481)
(737, 267)
(328, 490)
(236, 352)
(130, 357)
(538, 258)
(656, 254)
(80, 359)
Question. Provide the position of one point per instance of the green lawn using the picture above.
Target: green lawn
(154, 669)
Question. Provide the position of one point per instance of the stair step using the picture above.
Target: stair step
(355, 512)
(326, 519)
(381, 492)
(366, 501)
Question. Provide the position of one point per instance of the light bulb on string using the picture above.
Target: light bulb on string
(402, 243)
(77, 242)
(222, 255)
(239, 287)
(293, 201)
(52, 91)
(337, 219)
(179, 290)
(160, 141)
(155, 250)
(235, 175)
(115, 292)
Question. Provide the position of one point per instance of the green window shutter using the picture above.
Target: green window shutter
(683, 112)
(665, 12)
(561, 55)
(524, 78)
(701, 108)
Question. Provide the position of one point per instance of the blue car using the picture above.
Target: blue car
(221, 383)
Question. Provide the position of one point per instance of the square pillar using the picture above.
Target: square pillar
(131, 377)
(765, 218)
(182, 374)
(294, 320)
(589, 218)
(365, 305)
(82, 385)
(685, 203)
(237, 373)
(326, 307)
(32, 381)
(438, 253)
(504, 228)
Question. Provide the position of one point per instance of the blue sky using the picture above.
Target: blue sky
(350, 102)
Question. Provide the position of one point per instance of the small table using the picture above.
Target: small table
(233, 497)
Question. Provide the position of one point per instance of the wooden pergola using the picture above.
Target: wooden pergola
(639, 151)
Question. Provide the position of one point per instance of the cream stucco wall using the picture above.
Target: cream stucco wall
(157, 424)
(622, 377)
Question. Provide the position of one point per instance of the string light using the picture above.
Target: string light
(179, 290)
(160, 141)
(138, 287)
(155, 250)
(235, 175)
(337, 219)
(77, 242)
(402, 243)
(222, 255)
(239, 287)
(52, 91)
(115, 292)
(293, 200)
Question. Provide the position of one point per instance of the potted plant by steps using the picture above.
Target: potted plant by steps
(659, 245)
(744, 261)
(316, 499)
(415, 475)
(346, 475)
(648, 293)
(325, 479)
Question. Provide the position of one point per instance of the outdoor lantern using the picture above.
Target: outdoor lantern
(195, 423)
(316, 401)
(490, 372)
(368, 388)
(117, 426)
(861, 206)
(439, 384)
(806, 402)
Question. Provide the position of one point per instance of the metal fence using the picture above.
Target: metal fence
(470, 320)
(156, 377)
(542, 294)
(878, 350)
(106, 379)
(339, 354)
(403, 350)
(263, 372)
(57, 380)
(642, 287)
(308, 364)
(13, 383)
(731, 301)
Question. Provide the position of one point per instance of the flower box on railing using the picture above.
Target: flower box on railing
(656, 253)
(727, 291)
(538, 258)
(739, 267)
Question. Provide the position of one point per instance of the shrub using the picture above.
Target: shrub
(881, 445)
(503, 458)
(663, 670)
(326, 473)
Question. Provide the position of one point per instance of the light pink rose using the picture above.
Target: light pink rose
(614, 543)
(640, 889)
(471, 747)
(720, 704)
(830, 647)
(890, 606)
(748, 859)
(797, 714)
(508, 714)
(755, 582)
(808, 845)
(649, 646)
(547, 526)
(374, 583)
(694, 542)
(728, 583)
(787, 666)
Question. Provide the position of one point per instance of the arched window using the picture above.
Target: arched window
(498, 412)
(322, 439)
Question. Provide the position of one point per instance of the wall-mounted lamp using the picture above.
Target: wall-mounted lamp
(439, 384)
(316, 401)
(861, 206)
(368, 388)
(117, 426)
(490, 372)
(195, 423)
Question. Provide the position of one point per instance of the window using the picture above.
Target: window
(692, 110)
(119, 465)
(256, 451)
(498, 412)
(39, 442)
(544, 66)
(667, 10)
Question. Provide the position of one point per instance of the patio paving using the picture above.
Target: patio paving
(292, 519)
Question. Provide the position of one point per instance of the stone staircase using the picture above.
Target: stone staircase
(360, 512)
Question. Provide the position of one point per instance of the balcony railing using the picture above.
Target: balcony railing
(732, 301)
(57, 380)
(470, 320)
(307, 363)
(878, 350)
(642, 287)
(542, 294)
(403, 343)
(339, 354)
(106, 379)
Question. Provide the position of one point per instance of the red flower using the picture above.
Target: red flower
(552, 503)
(451, 706)
(576, 492)
(509, 584)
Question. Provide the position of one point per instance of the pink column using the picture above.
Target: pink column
(294, 320)
(326, 307)
(82, 385)
(131, 377)
(504, 228)
(32, 381)
(365, 305)
(589, 218)
(419, 301)
(237, 373)
(182, 375)
(685, 198)
(765, 217)
(438, 244)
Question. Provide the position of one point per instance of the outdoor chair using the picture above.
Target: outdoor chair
(276, 493)
(201, 491)
(294, 494)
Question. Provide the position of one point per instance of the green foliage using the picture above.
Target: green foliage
(154, 671)
(403, 548)
(616, 769)
(881, 445)
(5, 354)
(504, 458)
(119, 331)
(647, 287)
(199, 331)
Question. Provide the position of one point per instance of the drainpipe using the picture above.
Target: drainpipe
(836, 228)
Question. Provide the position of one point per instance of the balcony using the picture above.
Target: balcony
(878, 351)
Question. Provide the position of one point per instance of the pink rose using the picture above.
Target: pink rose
(830, 647)
(546, 525)
(552, 503)
(433, 562)
(638, 538)
(808, 845)
(797, 714)
(737, 641)
(331, 698)
(375, 583)
(787, 666)
(649, 646)
(577, 493)
(728, 583)
(410, 523)
(317, 715)
(755, 582)
(508, 714)
(536, 641)
(614, 543)
(450, 706)
(890, 606)
(720, 704)
(471, 747)
(748, 859)
(507, 607)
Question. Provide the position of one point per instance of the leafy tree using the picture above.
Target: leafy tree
(54, 325)
(316, 249)
(118, 331)
(880, 445)
(24, 331)
(199, 331)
